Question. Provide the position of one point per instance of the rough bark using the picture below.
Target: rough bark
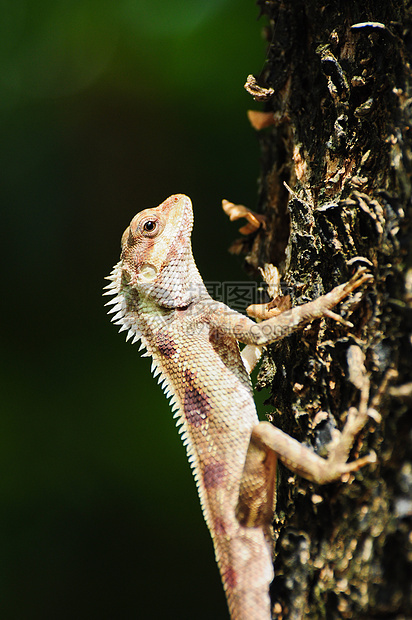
(340, 137)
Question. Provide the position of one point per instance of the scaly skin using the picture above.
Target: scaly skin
(161, 300)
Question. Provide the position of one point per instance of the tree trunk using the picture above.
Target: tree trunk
(338, 133)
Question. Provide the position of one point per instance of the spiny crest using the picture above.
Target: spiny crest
(121, 316)
(167, 388)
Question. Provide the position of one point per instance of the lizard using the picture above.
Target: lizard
(159, 299)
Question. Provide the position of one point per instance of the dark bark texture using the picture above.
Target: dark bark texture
(340, 137)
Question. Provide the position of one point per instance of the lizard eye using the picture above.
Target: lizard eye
(150, 227)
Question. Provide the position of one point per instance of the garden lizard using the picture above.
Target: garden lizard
(161, 300)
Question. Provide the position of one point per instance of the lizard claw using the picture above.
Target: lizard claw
(353, 466)
(362, 276)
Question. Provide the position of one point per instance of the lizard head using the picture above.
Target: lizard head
(153, 237)
(156, 257)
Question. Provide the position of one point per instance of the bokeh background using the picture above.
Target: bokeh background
(107, 108)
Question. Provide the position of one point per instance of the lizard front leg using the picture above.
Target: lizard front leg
(285, 323)
(227, 321)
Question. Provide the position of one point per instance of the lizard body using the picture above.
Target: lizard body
(161, 300)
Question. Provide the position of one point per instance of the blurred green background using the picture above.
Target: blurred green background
(107, 108)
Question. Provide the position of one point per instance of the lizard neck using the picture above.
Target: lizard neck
(178, 283)
(135, 306)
